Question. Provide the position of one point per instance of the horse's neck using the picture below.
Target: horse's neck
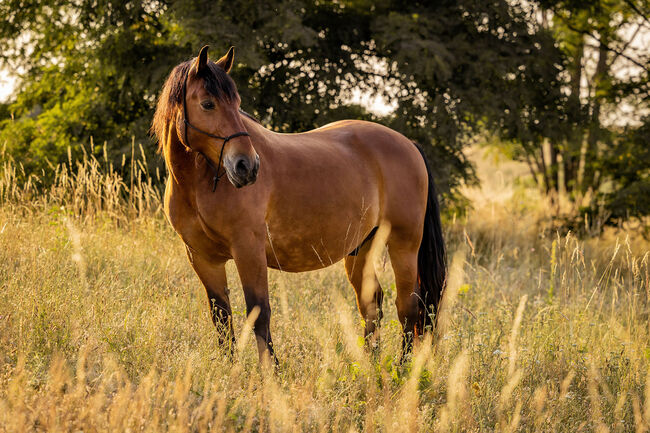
(260, 136)
(179, 161)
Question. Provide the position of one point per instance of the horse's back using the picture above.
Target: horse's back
(395, 159)
(373, 139)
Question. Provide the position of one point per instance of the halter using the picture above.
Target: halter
(218, 137)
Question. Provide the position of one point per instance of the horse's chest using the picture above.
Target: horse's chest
(189, 225)
(201, 239)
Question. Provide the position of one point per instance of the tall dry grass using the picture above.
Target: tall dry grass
(85, 188)
(104, 327)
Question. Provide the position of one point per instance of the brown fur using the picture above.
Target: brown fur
(317, 196)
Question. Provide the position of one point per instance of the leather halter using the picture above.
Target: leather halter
(187, 123)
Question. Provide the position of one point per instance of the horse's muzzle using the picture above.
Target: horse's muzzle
(242, 170)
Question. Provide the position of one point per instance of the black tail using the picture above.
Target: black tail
(432, 258)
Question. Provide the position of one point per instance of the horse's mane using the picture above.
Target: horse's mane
(250, 116)
(215, 81)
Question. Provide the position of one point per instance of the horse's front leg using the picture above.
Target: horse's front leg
(250, 259)
(213, 276)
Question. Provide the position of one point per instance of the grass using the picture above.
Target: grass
(105, 327)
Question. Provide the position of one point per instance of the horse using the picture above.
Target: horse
(294, 202)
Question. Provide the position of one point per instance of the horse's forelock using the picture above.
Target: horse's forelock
(218, 83)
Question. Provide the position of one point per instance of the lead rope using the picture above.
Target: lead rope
(187, 123)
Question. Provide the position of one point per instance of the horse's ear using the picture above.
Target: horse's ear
(226, 61)
(202, 60)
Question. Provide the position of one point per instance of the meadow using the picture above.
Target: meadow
(105, 327)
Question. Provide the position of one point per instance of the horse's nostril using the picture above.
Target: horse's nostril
(241, 167)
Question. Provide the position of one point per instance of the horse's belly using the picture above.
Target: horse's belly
(319, 233)
(309, 253)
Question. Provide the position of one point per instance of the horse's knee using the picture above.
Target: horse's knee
(261, 325)
(264, 317)
(222, 319)
(220, 310)
(263, 308)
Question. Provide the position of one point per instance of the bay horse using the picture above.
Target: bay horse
(294, 202)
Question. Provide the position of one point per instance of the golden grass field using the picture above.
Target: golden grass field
(104, 327)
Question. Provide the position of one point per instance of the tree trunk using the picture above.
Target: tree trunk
(591, 151)
(571, 152)
(544, 168)
(553, 168)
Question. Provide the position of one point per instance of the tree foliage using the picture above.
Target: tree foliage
(597, 155)
(449, 69)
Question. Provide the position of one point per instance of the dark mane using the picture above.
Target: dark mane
(215, 81)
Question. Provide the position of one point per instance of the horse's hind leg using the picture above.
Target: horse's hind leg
(213, 277)
(403, 251)
(362, 276)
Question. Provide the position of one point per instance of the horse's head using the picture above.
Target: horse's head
(209, 122)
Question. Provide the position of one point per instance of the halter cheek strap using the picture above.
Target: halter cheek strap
(187, 123)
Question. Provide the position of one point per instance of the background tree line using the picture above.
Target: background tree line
(541, 76)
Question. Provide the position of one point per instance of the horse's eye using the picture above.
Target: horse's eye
(207, 105)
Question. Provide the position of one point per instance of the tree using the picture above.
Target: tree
(627, 194)
(450, 67)
(579, 151)
(85, 69)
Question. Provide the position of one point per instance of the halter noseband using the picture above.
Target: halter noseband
(218, 137)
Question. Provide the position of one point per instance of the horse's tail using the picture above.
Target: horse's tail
(432, 258)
